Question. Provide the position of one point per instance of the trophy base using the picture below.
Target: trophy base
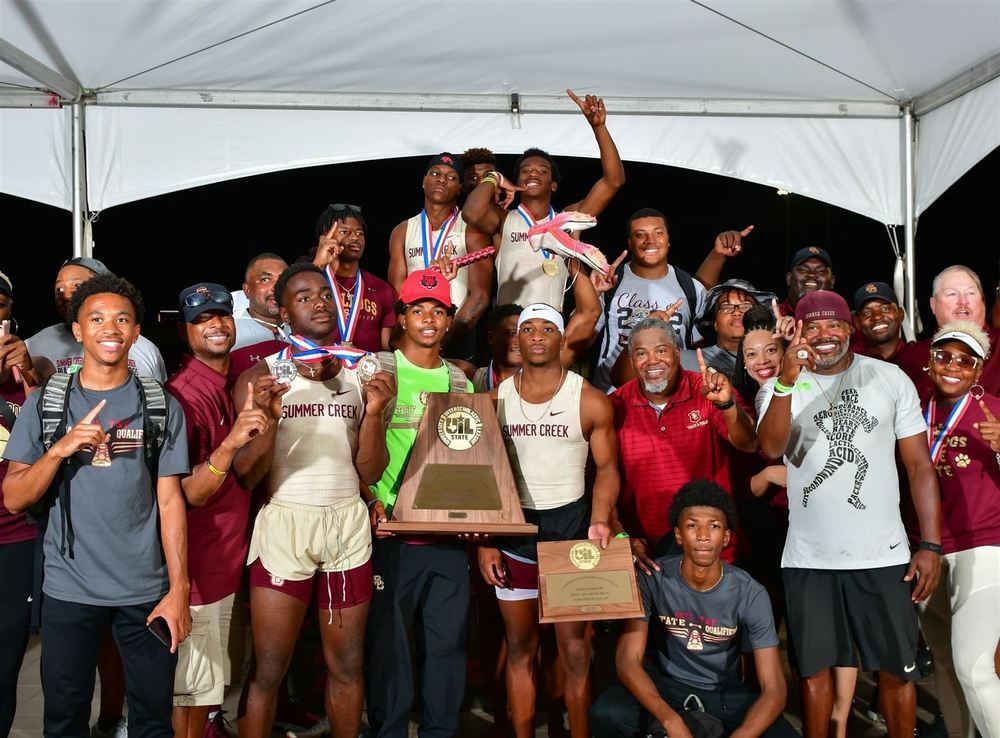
(437, 527)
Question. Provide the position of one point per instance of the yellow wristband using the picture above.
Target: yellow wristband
(214, 469)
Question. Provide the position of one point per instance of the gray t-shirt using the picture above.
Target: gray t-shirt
(843, 490)
(704, 633)
(56, 343)
(634, 299)
(117, 556)
(715, 356)
(249, 331)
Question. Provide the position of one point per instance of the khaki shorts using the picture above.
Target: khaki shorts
(295, 541)
(203, 667)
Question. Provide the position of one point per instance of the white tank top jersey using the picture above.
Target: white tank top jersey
(317, 440)
(520, 279)
(413, 250)
(545, 444)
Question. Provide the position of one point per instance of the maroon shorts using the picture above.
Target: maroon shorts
(333, 590)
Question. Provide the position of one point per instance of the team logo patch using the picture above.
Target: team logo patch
(423, 397)
(871, 289)
(584, 555)
(460, 428)
(378, 583)
(962, 460)
(694, 416)
(447, 160)
(813, 250)
(429, 282)
(277, 581)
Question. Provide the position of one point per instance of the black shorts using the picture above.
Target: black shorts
(832, 611)
(566, 523)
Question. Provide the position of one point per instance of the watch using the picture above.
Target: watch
(928, 546)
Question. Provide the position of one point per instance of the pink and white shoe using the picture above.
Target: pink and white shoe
(554, 236)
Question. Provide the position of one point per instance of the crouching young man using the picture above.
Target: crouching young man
(707, 611)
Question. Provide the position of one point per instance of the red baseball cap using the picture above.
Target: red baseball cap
(822, 305)
(425, 284)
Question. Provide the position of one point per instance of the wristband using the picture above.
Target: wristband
(724, 405)
(623, 534)
(781, 390)
(214, 469)
(371, 502)
(932, 547)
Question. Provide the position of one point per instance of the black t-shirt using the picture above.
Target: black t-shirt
(704, 633)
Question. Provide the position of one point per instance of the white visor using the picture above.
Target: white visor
(542, 311)
(961, 337)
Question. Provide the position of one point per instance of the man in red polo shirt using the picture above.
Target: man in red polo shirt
(218, 503)
(673, 426)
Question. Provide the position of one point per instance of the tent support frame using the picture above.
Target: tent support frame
(910, 227)
(82, 246)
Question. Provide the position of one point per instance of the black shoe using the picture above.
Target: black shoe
(925, 662)
(935, 729)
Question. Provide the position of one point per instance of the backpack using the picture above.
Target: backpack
(457, 381)
(685, 280)
(53, 413)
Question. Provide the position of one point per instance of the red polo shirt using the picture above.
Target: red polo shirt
(14, 528)
(661, 451)
(218, 530)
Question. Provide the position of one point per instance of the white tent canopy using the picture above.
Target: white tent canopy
(811, 96)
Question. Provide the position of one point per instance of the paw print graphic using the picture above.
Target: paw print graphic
(962, 460)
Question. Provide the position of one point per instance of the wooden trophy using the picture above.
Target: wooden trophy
(578, 580)
(458, 478)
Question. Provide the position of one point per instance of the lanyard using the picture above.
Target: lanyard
(310, 352)
(523, 212)
(432, 253)
(957, 411)
(347, 316)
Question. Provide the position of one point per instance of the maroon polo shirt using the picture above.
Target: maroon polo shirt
(661, 451)
(218, 531)
(14, 528)
(915, 356)
(970, 481)
(242, 359)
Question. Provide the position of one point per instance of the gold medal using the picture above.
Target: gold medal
(550, 267)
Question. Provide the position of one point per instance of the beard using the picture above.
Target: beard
(832, 360)
(656, 388)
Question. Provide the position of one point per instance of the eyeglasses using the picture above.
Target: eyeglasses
(340, 207)
(728, 308)
(200, 298)
(943, 359)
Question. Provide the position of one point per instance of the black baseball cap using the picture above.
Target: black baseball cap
(5, 286)
(810, 252)
(874, 291)
(707, 318)
(97, 267)
(448, 160)
(201, 297)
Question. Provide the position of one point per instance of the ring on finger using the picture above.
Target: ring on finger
(802, 354)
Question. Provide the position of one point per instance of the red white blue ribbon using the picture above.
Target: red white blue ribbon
(530, 220)
(433, 252)
(957, 411)
(347, 315)
(306, 351)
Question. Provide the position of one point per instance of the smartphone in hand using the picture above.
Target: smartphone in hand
(159, 628)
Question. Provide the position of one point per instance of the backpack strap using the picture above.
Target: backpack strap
(53, 409)
(691, 295)
(457, 381)
(154, 413)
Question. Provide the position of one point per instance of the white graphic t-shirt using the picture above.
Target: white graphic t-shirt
(843, 490)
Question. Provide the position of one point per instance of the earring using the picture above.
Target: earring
(977, 392)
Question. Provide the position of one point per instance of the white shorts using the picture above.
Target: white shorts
(203, 666)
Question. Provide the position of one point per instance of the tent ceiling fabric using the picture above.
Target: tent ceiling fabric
(886, 51)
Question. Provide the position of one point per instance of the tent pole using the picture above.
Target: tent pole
(910, 231)
(81, 245)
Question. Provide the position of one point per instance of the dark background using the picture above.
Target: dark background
(207, 234)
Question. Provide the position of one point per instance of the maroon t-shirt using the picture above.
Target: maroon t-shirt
(969, 475)
(378, 313)
(915, 356)
(13, 527)
(218, 530)
(858, 346)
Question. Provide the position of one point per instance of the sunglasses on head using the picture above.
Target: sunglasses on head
(340, 207)
(200, 298)
(943, 358)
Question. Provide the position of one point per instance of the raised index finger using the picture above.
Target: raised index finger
(746, 231)
(797, 336)
(573, 97)
(617, 262)
(89, 417)
(986, 411)
(701, 361)
(248, 405)
(774, 308)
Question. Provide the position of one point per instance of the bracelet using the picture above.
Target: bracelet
(932, 547)
(781, 390)
(214, 469)
(371, 502)
(623, 534)
(724, 405)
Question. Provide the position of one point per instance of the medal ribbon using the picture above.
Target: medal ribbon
(529, 219)
(937, 444)
(309, 352)
(347, 317)
(490, 380)
(432, 253)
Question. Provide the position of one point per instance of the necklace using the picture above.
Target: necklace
(272, 326)
(836, 394)
(722, 573)
(520, 399)
(348, 290)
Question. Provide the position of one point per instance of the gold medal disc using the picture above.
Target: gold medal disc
(550, 267)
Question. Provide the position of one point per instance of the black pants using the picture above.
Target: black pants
(71, 639)
(428, 587)
(617, 714)
(15, 613)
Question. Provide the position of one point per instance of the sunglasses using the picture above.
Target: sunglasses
(200, 298)
(942, 358)
(340, 207)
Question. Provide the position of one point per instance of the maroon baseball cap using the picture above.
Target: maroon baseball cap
(822, 305)
(425, 284)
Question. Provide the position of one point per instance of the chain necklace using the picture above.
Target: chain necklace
(836, 395)
(722, 573)
(520, 399)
